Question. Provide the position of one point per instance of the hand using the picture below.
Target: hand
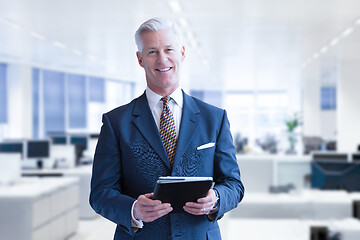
(202, 205)
(148, 210)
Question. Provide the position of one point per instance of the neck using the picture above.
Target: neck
(164, 92)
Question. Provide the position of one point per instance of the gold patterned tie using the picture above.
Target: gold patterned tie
(167, 130)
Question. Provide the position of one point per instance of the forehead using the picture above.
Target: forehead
(160, 38)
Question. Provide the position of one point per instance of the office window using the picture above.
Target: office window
(212, 97)
(197, 94)
(76, 96)
(256, 114)
(36, 102)
(54, 101)
(96, 89)
(271, 100)
(64, 102)
(239, 106)
(242, 100)
(129, 88)
(270, 110)
(328, 98)
(3, 93)
(117, 93)
(114, 94)
(95, 111)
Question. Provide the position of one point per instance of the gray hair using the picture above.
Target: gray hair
(153, 25)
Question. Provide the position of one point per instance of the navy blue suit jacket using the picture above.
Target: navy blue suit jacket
(130, 157)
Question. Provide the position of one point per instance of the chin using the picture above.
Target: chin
(167, 83)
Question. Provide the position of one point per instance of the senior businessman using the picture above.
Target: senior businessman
(164, 132)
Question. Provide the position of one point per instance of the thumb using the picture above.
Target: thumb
(149, 195)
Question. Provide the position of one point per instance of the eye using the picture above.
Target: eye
(170, 50)
(151, 52)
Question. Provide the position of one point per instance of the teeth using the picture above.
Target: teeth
(164, 69)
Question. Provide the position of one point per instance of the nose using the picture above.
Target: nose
(162, 57)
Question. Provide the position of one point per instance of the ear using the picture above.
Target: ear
(138, 55)
(182, 53)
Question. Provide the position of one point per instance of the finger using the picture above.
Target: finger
(155, 208)
(145, 201)
(205, 199)
(158, 213)
(199, 205)
(149, 195)
(195, 208)
(151, 216)
(196, 211)
(149, 213)
(211, 196)
(191, 210)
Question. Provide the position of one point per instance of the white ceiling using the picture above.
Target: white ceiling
(239, 44)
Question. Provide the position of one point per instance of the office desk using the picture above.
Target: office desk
(287, 229)
(39, 208)
(307, 204)
(83, 173)
(259, 172)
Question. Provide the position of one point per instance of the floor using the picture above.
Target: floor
(231, 229)
(94, 229)
(235, 229)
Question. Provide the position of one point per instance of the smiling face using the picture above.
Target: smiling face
(161, 58)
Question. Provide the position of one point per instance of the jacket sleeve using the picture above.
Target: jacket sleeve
(226, 171)
(105, 196)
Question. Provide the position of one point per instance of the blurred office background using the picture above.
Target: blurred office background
(285, 71)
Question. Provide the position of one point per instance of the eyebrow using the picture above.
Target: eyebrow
(167, 46)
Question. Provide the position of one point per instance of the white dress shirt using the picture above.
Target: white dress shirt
(175, 104)
(156, 107)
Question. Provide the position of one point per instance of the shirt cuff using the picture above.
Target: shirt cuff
(134, 222)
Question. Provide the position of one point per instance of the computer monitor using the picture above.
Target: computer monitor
(81, 140)
(94, 135)
(38, 150)
(12, 147)
(329, 156)
(356, 157)
(81, 144)
(58, 139)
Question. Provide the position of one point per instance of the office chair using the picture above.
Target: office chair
(319, 233)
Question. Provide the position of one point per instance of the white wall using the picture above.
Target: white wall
(317, 122)
(329, 125)
(348, 113)
(19, 102)
(311, 105)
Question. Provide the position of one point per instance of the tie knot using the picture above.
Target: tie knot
(165, 99)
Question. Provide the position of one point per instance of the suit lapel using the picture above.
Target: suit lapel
(189, 122)
(144, 121)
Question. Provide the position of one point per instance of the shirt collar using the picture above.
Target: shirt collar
(153, 98)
